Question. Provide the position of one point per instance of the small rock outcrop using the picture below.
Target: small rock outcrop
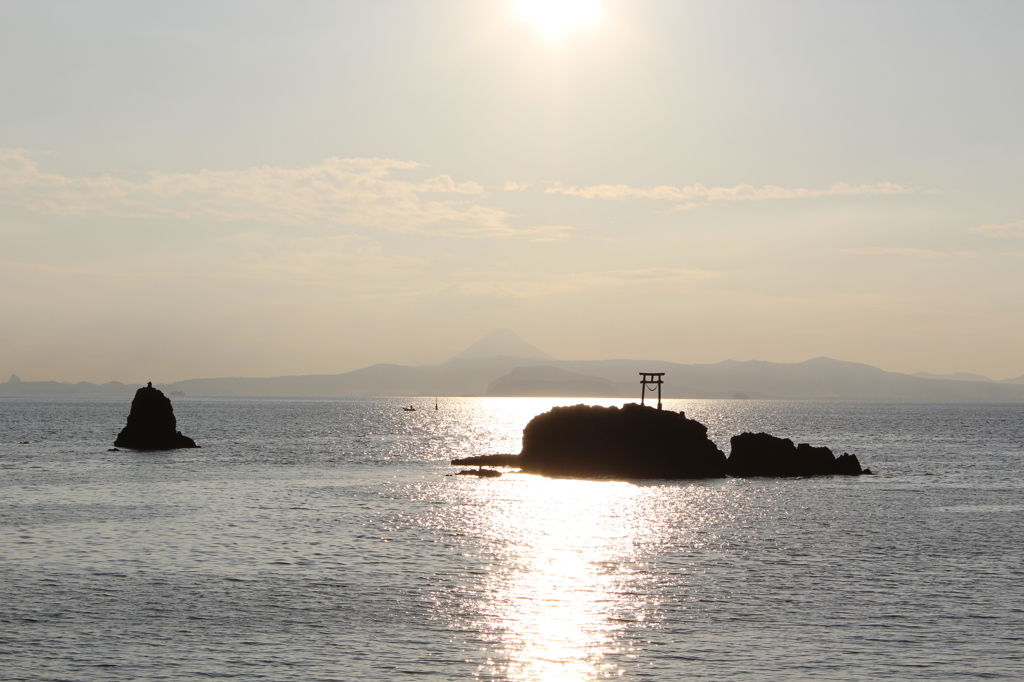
(761, 454)
(493, 460)
(151, 424)
(633, 441)
(480, 473)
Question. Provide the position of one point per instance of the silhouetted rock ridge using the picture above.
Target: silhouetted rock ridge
(151, 424)
(629, 442)
(634, 441)
(761, 454)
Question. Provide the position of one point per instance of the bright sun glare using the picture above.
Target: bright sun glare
(556, 18)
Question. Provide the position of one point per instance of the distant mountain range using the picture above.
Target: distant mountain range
(502, 364)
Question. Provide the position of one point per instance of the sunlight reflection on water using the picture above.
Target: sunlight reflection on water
(568, 569)
(562, 589)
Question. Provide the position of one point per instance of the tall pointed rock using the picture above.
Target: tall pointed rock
(151, 424)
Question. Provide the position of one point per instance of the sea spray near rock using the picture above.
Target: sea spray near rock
(151, 424)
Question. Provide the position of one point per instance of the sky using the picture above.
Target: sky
(204, 189)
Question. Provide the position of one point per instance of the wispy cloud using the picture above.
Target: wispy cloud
(699, 192)
(907, 252)
(359, 264)
(681, 207)
(538, 233)
(536, 285)
(649, 274)
(360, 192)
(1014, 229)
(484, 292)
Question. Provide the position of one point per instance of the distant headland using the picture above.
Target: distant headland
(503, 365)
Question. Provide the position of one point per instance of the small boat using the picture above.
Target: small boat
(409, 409)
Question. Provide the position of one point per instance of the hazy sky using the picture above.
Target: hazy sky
(192, 189)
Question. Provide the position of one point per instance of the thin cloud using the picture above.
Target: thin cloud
(907, 252)
(357, 262)
(523, 286)
(360, 192)
(1014, 229)
(681, 207)
(699, 192)
(538, 233)
(649, 274)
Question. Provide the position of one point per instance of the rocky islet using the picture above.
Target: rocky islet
(152, 424)
(635, 441)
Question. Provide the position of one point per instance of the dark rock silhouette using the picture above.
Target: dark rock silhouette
(636, 441)
(481, 473)
(849, 465)
(761, 454)
(629, 442)
(493, 460)
(151, 424)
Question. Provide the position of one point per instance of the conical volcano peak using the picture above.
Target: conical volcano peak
(499, 343)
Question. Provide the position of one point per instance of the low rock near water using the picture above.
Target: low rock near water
(633, 441)
(762, 454)
(151, 424)
(493, 460)
(480, 473)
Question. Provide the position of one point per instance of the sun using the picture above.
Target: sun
(557, 18)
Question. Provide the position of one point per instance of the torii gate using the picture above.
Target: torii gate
(649, 381)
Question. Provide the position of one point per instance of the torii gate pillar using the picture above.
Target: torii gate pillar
(648, 382)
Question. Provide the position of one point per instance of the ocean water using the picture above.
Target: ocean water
(324, 540)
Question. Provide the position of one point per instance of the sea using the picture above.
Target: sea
(326, 539)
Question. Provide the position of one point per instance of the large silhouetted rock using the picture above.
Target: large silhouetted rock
(761, 454)
(627, 442)
(151, 424)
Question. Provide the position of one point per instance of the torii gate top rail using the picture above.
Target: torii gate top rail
(648, 382)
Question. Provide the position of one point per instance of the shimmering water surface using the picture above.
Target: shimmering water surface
(322, 540)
